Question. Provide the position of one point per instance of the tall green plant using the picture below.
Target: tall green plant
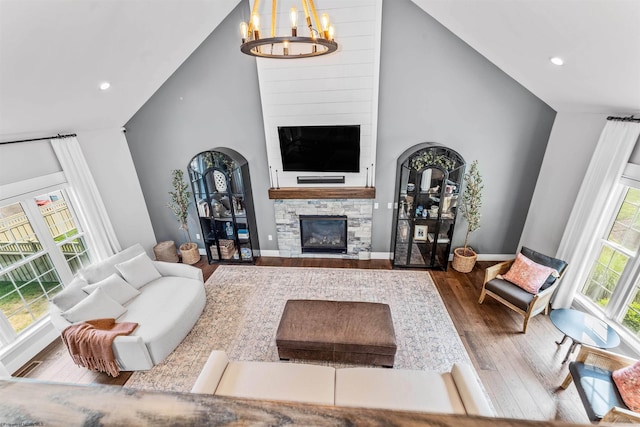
(471, 202)
(180, 200)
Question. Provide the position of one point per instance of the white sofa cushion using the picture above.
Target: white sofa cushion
(471, 393)
(98, 305)
(103, 269)
(71, 295)
(138, 271)
(278, 381)
(116, 287)
(397, 389)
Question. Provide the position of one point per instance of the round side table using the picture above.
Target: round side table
(583, 328)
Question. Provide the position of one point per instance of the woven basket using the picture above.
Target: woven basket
(462, 262)
(190, 253)
(166, 251)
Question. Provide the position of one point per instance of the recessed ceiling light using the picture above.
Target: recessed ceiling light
(105, 85)
(556, 60)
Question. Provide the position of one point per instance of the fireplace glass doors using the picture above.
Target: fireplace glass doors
(323, 234)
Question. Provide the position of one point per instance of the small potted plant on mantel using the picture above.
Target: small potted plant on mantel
(464, 258)
(179, 204)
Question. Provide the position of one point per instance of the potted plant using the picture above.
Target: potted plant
(179, 204)
(464, 258)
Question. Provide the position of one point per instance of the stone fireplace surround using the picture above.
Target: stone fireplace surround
(359, 213)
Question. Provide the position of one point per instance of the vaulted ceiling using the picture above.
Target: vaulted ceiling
(54, 54)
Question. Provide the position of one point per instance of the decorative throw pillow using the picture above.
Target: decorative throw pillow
(98, 305)
(628, 383)
(527, 274)
(138, 271)
(115, 287)
(71, 294)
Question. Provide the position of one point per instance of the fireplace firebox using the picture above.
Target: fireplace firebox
(323, 233)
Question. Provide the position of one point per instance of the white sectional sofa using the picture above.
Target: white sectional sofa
(455, 392)
(165, 299)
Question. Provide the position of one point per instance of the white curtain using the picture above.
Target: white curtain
(79, 177)
(593, 207)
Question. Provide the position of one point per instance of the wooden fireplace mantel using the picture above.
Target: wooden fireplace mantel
(322, 193)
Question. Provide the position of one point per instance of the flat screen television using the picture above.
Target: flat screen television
(320, 148)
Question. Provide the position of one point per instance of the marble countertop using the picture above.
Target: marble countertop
(33, 403)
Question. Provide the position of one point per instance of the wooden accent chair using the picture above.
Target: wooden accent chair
(591, 373)
(516, 298)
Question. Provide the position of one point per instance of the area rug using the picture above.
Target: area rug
(244, 305)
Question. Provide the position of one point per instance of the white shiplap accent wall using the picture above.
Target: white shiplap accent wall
(336, 89)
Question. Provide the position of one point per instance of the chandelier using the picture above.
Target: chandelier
(319, 42)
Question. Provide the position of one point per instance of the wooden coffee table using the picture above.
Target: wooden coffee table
(583, 328)
(337, 331)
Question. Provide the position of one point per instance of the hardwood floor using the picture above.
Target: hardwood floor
(520, 372)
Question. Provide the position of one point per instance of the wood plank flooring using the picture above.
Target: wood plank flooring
(520, 372)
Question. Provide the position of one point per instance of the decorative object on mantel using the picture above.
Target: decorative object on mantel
(179, 204)
(319, 42)
(465, 258)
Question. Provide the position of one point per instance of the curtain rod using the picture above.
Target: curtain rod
(58, 136)
(624, 119)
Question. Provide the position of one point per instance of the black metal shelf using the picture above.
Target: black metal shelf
(222, 188)
(428, 179)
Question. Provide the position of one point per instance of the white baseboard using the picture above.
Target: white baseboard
(495, 257)
(270, 252)
(381, 255)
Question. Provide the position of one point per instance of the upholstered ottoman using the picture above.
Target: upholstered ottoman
(337, 331)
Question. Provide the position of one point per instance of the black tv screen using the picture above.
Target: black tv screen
(320, 148)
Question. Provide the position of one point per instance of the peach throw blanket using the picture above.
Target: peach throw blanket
(89, 343)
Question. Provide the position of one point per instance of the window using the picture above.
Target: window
(40, 243)
(64, 230)
(613, 283)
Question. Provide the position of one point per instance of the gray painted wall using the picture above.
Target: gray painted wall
(212, 100)
(107, 154)
(571, 145)
(433, 87)
(25, 160)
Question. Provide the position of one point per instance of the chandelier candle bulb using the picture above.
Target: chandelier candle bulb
(325, 26)
(244, 31)
(256, 27)
(331, 32)
(285, 47)
(293, 15)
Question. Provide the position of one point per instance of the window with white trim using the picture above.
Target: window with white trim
(612, 286)
(41, 243)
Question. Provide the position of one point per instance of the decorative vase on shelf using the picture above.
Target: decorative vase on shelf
(228, 228)
(220, 181)
(402, 214)
(403, 231)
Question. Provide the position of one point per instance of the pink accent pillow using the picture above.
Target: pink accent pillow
(527, 274)
(627, 380)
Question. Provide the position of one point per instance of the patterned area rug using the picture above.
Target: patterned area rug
(244, 305)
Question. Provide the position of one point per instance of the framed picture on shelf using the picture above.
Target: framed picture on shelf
(420, 233)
